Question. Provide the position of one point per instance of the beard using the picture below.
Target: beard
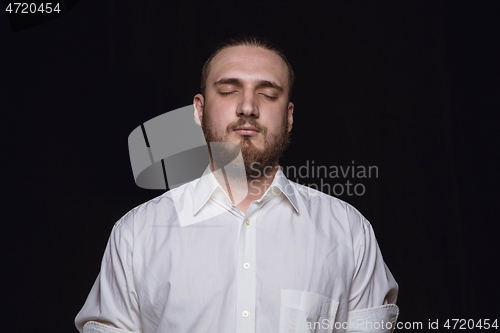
(255, 159)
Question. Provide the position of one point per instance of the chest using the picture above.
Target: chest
(213, 262)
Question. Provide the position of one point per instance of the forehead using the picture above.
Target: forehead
(248, 63)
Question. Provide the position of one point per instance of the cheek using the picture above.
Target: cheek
(215, 113)
(279, 122)
(219, 123)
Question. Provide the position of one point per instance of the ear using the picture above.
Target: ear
(199, 103)
(290, 116)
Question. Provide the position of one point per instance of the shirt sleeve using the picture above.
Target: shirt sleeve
(112, 305)
(374, 290)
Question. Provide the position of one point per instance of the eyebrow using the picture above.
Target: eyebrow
(260, 83)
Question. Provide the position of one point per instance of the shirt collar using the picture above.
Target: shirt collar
(207, 185)
(204, 189)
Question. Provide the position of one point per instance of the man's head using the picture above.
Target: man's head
(246, 86)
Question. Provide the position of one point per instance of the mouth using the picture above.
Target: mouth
(246, 130)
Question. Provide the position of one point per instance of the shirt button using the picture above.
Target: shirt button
(245, 314)
(247, 221)
(246, 265)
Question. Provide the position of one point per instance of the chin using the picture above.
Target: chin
(247, 142)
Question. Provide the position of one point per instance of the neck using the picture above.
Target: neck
(242, 190)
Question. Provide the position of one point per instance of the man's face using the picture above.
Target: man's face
(246, 103)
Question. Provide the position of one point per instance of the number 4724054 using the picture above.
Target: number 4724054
(32, 8)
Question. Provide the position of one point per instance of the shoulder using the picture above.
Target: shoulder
(159, 210)
(330, 208)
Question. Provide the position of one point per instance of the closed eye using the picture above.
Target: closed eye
(269, 97)
(226, 93)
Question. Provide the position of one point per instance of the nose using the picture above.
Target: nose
(248, 106)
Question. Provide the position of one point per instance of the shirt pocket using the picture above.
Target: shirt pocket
(304, 311)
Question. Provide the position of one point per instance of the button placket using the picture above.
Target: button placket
(246, 280)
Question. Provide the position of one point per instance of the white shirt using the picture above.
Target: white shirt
(190, 261)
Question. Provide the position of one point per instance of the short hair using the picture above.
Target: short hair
(243, 40)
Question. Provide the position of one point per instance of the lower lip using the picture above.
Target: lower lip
(246, 132)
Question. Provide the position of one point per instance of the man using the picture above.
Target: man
(270, 256)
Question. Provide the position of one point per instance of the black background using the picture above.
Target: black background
(410, 87)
